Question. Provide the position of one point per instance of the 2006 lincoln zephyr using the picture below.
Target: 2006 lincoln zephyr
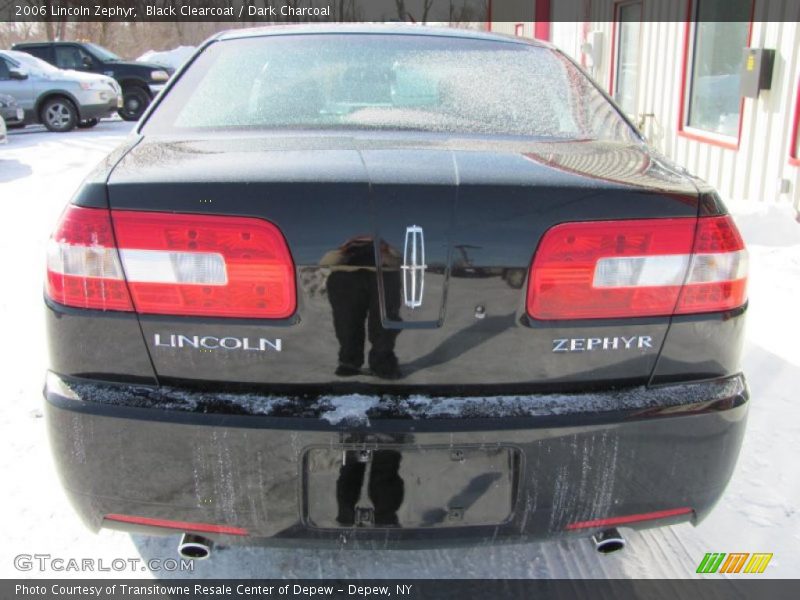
(392, 286)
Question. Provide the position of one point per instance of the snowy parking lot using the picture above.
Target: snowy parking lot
(39, 171)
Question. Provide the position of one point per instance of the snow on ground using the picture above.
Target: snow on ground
(39, 171)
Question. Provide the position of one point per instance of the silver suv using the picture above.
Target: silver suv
(59, 99)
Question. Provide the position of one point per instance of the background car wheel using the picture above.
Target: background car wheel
(88, 123)
(59, 115)
(134, 101)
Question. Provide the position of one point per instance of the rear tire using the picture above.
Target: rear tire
(134, 101)
(59, 115)
(88, 123)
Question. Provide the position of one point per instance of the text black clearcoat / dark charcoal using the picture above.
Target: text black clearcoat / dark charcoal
(251, 438)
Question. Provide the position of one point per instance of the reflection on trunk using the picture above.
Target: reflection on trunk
(353, 293)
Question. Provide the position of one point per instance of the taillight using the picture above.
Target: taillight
(83, 267)
(176, 264)
(205, 265)
(637, 268)
(717, 278)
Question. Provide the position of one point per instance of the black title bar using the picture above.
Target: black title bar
(413, 11)
(409, 589)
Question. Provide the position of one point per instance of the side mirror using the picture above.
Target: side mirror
(87, 62)
(18, 74)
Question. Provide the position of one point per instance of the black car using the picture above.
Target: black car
(140, 81)
(392, 286)
(11, 112)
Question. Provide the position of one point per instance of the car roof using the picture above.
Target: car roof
(14, 55)
(18, 56)
(43, 43)
(373, 29)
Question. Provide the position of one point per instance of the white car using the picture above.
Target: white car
(59, 99)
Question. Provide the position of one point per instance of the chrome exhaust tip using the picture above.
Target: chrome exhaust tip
(608, 541)
(194, 547)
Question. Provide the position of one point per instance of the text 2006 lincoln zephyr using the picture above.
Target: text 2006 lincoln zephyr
(392, 286)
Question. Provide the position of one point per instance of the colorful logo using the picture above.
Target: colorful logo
(734, 562)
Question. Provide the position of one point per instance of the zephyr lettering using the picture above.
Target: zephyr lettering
(210, 342)
(560, 346)
(639, 342)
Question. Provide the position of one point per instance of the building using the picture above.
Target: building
(677, 72)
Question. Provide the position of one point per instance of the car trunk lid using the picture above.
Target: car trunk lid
(412, 247)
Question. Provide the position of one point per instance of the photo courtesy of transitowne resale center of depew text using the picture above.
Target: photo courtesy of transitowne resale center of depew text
(400, 298)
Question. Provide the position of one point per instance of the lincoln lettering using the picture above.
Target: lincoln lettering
(639, 342)
(210, 342)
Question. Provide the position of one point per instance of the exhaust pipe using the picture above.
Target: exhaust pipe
(608, 541)
(194, 546)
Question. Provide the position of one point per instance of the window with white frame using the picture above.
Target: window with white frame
(720, 32)
(628, 18)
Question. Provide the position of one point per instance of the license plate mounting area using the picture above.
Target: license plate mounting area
(401, 487)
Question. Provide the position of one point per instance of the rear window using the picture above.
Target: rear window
(386, 82)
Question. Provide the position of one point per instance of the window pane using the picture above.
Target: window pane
(38, 52)
(85, 58)
(715, 100)
(630, 16)
(380, 82)
(68, 57)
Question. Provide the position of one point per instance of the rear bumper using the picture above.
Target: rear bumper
(548, 466)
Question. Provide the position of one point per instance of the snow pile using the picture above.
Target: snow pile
(168, 58)
(351, 409)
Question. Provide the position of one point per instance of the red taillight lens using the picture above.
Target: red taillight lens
(175, 264)
(205, 265)
(83, 267)
(717, 279)
(637, 268)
